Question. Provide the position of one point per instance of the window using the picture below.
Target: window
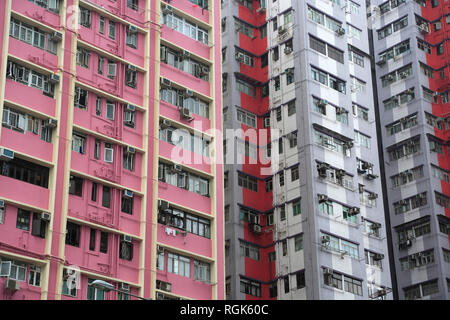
(127, 204)
(286, 284)
(92, 239)
(101, 27)
(246, 117)
(178, 264)
(51, 5)
(72, 292)
(318, 45)
(198, 226)
(94, 293)
(202, 271)
(273, 290)
(94, 192)
(125, 249)
(81, 98)
(269, 185)
(185, 27)
(23, 220)
(323, 19)
(291, 108)
(300, 279)
(32, 36)
(85, 17)
(362, 139)
(294, 174)
(76, 186)
(83, 58)
(245, 87)
(328, 80)
(128, 160)
(249, 251)
(250, 287)
(110, 107)
(298, 242)
(247, 182)
(131, 77)
(78, 143)
(289, 76)
(106, 197)
(244, 28)
(73, 234)
(354, 32)
(277, 84)
(133, 4)
(131, 38)
(421, 290)
(30, 78)
(112, 29)
(296, 207)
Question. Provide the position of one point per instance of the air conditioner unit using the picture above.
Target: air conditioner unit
(189, 93)
(322, 103)
(130, 107)
(349, 144)
(131, 67)
(322, 169)
(390, 77)
(287, 50)
(166, 123)
(322, 198)
(166, 82)
(340, 31)
(204, 71)
(260, 10)
(160, 296)
(340, 110)
(2, 204)
(367, 165)
(423, 28)
(382, 61)
(373, 196)
(159, 249)
(56, 36)
(375, 226)
(51, 123)
(240, 57)
(325, 240)
(177, 167)
(256, 228)
(124, 286)
(12, 284)
(132, 28)
(378, 256)
(163, 205)
(340, 173)
(327, 271)
(166, 9)
(166, 286)
(54, 78)
(403, 74)
(131, 150)
(186, 113)
(6, 154)
(267, 122)
(281, 30)
(127, 194)
(354, 211)
(127, 238)
(45, 216)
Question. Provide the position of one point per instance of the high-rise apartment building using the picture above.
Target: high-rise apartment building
(303, 69)
(412, 54)
(107, 107)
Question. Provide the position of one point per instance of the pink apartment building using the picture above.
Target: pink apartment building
(92, 94)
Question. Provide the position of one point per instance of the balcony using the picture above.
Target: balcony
(29, 193)
(36, 12)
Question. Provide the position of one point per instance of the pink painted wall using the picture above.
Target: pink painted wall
(172, 112)
(28, 143)
(33, 54)
(36, 12)
(114, 171)
(29, 193)
(18, 238)
(184, 197)
(170, 151)
(26, 292)
(34, 98)
(104, 263)
(185, 79)
(93, 211)
(191, 242)
(183, 41)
